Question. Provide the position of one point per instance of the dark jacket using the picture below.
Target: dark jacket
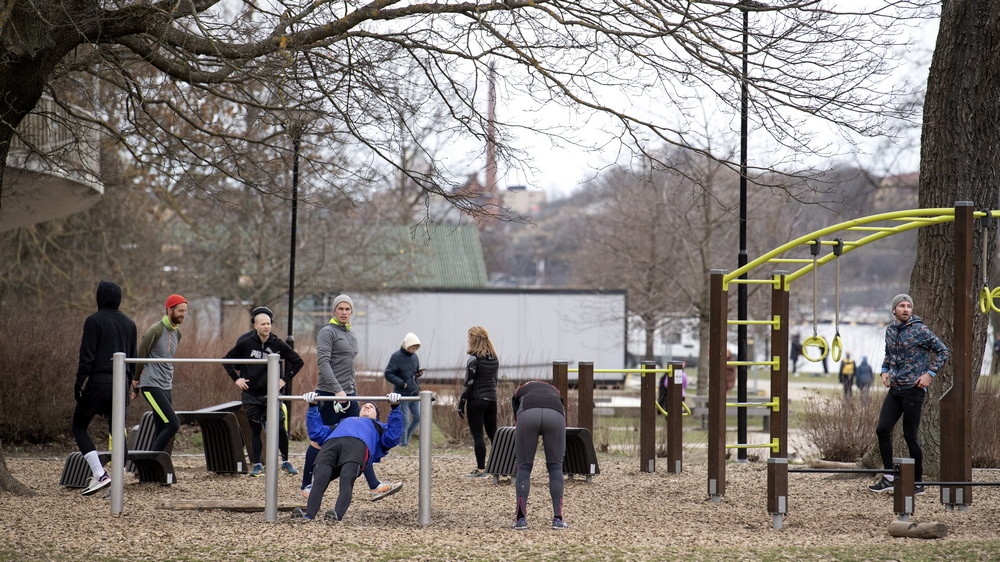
(907, 352)
(105, 332)
(402, 372)
(537, 394)
(480, 378)
(863, 375)
(249, 346)
(378, 441)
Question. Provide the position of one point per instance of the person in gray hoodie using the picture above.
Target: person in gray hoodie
(155, 381)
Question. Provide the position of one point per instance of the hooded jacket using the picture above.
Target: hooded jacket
(402, 368)
(105, 332)
(249, 346)
(377, 442)
(907, 352)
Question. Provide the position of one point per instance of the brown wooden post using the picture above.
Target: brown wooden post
(956, 403)
(777, 467)
(560, 379)
(902, 492)
(585, 396)
(675, 417)
(718, 328)
(647, 419)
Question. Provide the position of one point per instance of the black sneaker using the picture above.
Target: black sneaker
(299, 513)
(331, 516)
(520, 525)
(559, 524)
(918, 491)
(883, 485)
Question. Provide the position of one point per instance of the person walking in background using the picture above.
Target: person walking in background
(846, 374)
(907, 371)
(336, 348)
(478, 402)
(863, 378)
(539, 412)
(155, 381)
(251, 379)
(796, 353)
(105, 332)
(347, 448)
(403, 371)
(661, 397)
(730, 372)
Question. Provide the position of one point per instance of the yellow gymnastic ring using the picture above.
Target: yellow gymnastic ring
(814, 341)
(836, 349)
(984, 298)
(994, 295)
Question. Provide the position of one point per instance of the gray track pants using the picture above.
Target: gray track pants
(550, 425)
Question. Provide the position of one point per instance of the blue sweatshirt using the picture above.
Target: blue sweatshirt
(362, 428)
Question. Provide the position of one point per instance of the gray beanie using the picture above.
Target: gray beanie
(898, 299)
(343, 298)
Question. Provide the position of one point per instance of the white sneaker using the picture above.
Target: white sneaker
(385, 490)
(96, 485)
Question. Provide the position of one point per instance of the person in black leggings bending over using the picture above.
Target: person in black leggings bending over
(539, 412)
(479, 397)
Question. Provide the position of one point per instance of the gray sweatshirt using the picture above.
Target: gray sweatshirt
(336, 347)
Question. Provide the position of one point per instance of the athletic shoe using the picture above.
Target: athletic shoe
(558, 524)
(331, 516)
(477, 473)
(299, 513)
(385, 490)
(304, 492)
(257, 470)
(918, 491)
(883, 485)
(96, 485)
(288, 468)
(520, 525)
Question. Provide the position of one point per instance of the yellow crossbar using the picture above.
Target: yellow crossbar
(773, 445)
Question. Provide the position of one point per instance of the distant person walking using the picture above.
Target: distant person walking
(796, 353)
(863, 378)
(479, 395)
(155, 381)
(907, 371)
(846, 374)
(105, 332)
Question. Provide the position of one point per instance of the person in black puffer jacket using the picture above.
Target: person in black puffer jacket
(479, 397)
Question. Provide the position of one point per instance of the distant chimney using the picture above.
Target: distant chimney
(491, 133)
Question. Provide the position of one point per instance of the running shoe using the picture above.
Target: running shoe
(520, 525)
(477, 473)
(304, 492)
(558, 523)
(257, 470)
(385, 490)
(288, 468)
(883, 486)
(96, 485)
(299, 513)
(331, 516)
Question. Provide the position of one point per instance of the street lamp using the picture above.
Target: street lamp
(294, 129)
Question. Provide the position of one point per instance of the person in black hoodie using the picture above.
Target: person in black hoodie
(105, 332)
(252, 381)
(480, 394)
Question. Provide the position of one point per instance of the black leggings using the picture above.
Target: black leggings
(906, 402)
(96, 400)
(165, 419)
(346, 455)
(550, 425)
(482, 414)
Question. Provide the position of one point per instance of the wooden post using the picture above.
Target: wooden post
(560, 379)
(675, 418)
(585, 396)
(718, 313)
(647, 419)
(903, 488)
(956, 403)
(777, 464)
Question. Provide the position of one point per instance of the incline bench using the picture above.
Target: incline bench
(149, 466)
(581, 458)
(225, 434)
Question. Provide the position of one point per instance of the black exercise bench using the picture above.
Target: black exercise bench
(149, 466)
(580, 458)
(225, 435)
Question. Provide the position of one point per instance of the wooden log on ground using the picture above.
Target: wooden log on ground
(229, 505)
(929, 530)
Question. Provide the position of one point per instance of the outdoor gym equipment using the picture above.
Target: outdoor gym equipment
(815, 341)
(956, 403)
(837, 344)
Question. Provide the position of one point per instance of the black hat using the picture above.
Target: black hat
(260, 310)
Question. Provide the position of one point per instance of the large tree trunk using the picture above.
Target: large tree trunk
(7, 481)
(960, 159)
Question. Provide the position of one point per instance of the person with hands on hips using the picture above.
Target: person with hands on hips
(252, 381)
(907, 371)
(346, 450)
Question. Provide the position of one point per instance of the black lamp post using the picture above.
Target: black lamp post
(295, 130)
(742, 257)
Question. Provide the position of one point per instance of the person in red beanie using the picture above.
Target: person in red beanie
(155, 380)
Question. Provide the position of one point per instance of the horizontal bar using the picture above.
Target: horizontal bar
(774, 322)
(198, 360)
(845, 470)
(349, 398)
(752, 281)
(751, 363)
(625, 370)
(790, 260)
(751, 404)
(957, 484)
(748, 445)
